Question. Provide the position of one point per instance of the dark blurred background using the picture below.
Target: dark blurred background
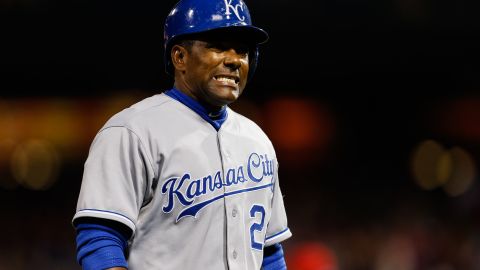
(373, 107)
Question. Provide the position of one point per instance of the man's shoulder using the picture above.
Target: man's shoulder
(241, 119)
(148, 103)
(143, 111)
(245, 124)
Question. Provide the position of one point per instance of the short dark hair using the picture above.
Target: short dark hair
(187, 43)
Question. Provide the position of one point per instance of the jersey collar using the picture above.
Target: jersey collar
(215, 118)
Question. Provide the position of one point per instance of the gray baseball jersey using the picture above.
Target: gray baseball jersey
(195, 197)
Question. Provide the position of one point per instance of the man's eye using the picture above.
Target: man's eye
(217, 46)
(225, 46)
(242, 50)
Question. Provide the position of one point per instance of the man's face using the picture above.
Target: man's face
(216, 71)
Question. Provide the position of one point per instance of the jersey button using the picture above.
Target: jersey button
(234, 254)
(234, 212)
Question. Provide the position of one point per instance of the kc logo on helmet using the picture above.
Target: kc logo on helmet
(229, 6)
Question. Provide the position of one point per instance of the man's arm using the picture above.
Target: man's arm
(101, 244)
(273, 258)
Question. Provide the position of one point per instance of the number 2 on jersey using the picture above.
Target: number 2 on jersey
(257, 226)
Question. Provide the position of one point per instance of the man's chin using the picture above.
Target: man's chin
(225, 98)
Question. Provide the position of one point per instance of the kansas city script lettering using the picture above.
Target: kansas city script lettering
(186, 190)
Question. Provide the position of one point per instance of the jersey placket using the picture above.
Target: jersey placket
(233, 212)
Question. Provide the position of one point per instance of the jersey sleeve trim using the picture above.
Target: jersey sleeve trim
(105, 215)
(278, 237)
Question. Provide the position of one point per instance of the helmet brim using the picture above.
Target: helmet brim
(251, 34)
(246, 33)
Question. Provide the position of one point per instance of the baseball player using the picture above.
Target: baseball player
(180, 181)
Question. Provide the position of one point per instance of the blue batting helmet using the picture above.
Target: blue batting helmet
(198, 16)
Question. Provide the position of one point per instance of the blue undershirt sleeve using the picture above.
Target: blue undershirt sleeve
(100, 247)
(273, 258)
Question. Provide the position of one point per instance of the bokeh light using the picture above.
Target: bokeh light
(430, 164)
(299, 128)
(435, 166)
(312, 256)
(397, 253)
(35, 164)
(463, 173)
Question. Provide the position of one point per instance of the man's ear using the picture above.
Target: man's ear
(179, 55)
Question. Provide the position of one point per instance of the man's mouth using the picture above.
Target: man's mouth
(227, 79)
